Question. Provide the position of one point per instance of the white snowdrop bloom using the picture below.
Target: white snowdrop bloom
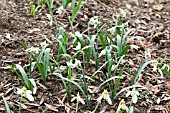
(73, 65)
(60, 10)
(105, 95)
(134, 93)
(103, 52)
(25, 93)
(147, 54)
(77, 63)
(60, 36)
(112, 30)
(94, 21)
(44, 44)
(78, 47)
(78, 98)
(122, 107)
(33, 49)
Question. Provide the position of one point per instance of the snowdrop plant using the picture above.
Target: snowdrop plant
(29, 83)
(94, 21)
(122, 107)
(43, 61)
(74, 65)
(26, 93)
(6, 105)
(121, 32)
(105, 95)
(134, 93)
(161, 66)
(79, 100)
(62, 39)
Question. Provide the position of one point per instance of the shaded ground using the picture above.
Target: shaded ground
(17, 24)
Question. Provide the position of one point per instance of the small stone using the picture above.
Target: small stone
(158, 7)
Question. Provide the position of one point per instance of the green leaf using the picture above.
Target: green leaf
(131, 109)
(118, 80)
(46, 60)
(40, 55)
(32, 66)
(111, 40)
(125, 49)
(119, 42)
(65, 3)
(22, 44)
(110, 79)
(42, 71)
(62, 46)
(34, 84)
(74, 12)
(24, 75)
(102, 40)
(166, 72)
(141, 69)
(6, 105)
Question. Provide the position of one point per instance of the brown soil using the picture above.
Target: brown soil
(16, 24)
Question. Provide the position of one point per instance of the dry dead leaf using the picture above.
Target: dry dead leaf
(1, 87)
(168, 85)
(158, 7)
(51, 107)
(158, 100)
(44, 87)
(154, 89)
(67, 107)
(168, 107)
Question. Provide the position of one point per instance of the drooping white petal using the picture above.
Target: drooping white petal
(109, 100)
(81, 100)
(129, 93)
(78, 47)
(77, 63)
(124, 107)
(134, 99)
(29, 96)
(19, 91)
(100, 98)
(137, 93)
(74, 98)
(103, 52)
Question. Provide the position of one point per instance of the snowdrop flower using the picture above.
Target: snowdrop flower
(154, 64)
(78, 98)
(104, 51)
(134, 95)
(112, 30)
(134, 47)
(44, 44)
(122, 107)
(105, 95)
(33, 49)
(25, 93)
(60, 36)
(76, 64)
(78, 47)
(123, 13)
(147, 54)
(94, 21)
(61, 30)
(60, 10)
